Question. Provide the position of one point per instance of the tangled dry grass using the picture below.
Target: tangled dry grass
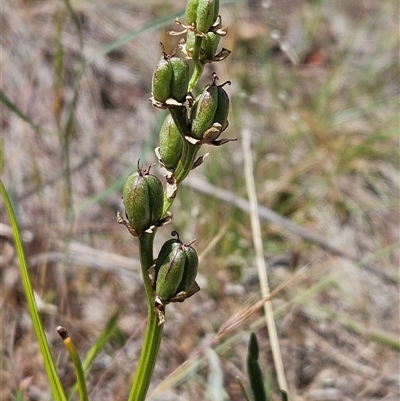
(325, 141)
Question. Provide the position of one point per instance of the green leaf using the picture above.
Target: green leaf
(49, 364)
(254, 371)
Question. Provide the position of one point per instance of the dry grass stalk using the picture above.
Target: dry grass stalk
(260, 261)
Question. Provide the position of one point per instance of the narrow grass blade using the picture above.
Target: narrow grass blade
(132, 35)
(242, 389)
(73, 353)
(56, 386)
(12, 107)
(101, 342)
(254, 371)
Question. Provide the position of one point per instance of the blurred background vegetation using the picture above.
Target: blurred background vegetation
(317, 84)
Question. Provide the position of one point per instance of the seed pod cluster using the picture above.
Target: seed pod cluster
(175, 269)
(211, 106)
(143, 196)
(202, 13)
(170, 79)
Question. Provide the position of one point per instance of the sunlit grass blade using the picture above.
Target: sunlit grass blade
(55, 383)
(73, 353)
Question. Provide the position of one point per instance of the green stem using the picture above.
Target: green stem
(198, 65)
(189, 152)
(152, 337)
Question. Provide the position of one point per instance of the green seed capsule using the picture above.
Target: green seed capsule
(175, 268)
(209, 46)
(170, 79)
(191, 11)
(190, 272)
(203, 111)
(180, 78)
(190, 40)
(216, 10)
(165, 251)
(170, 143)
(170, 273)
(202, 13)
(221, 114)
(143, 196)
(207, 13)
(161, 83)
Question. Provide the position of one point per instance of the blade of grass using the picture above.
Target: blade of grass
(242, 389)
(73, 353)
(101, 342)
(254, 370)
(133, 35)
(49, 364)
(66, 133)
(261, 267)
(12, 107)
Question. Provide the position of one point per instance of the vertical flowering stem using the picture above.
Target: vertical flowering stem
(152, 337)
(146, 202)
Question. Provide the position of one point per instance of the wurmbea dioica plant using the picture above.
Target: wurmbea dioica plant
(191, 123)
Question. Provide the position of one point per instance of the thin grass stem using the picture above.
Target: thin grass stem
(73, 353)
(261, 267)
